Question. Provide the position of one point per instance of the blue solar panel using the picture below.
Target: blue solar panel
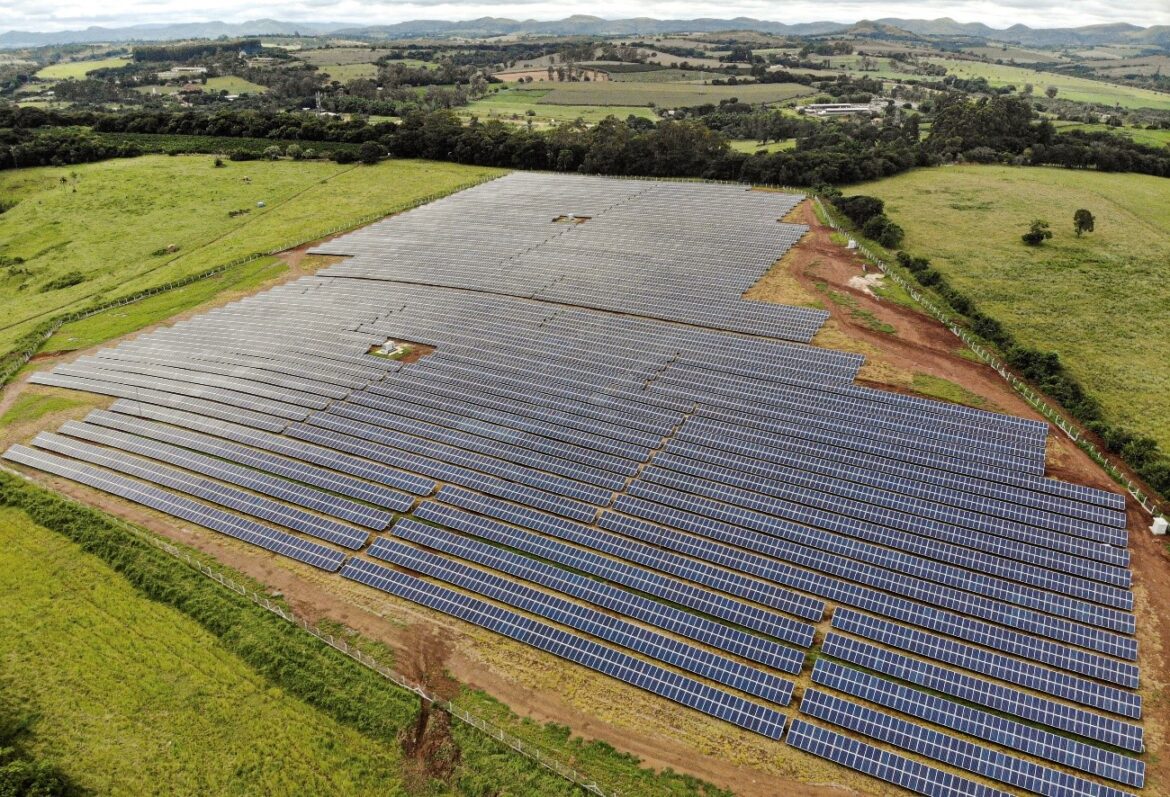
(442, 471)
(622, 601)
(854, 570)
(950, 750)
(591, 621)
(290, 468)
(184, 508)
(208, 490)
(643, 580)
(1024, 705)
(232, 473)
(952, 547)
(652, 678)
(882, 764)
(1042, 679)
(318, 455)
(981, 724)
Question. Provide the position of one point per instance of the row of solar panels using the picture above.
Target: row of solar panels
(881, 726)
(1081, 692)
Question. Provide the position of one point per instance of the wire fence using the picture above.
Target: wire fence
(524, 748)
(1036, 400)
(51, 328)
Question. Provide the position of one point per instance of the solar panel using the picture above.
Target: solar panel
(981, 724)
(591, 621)
(1079, 690)
(208, 490)
(890, 767)
(679, 688)
(183, 508)
(641, 578)
(1026, 706)
(608, 597)
(950, 750)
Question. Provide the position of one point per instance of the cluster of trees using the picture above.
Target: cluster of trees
(24, 148)
(868, 214)
(189, 51)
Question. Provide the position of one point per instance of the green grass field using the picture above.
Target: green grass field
(343, 73)
(1068, 87)
(230, 83)
(78, 69)
(119, 321)
(1101, 301)
(513, 105)
(668, 95)
(135, 207)
(752, 146)
(133, 697)
(1151, 138)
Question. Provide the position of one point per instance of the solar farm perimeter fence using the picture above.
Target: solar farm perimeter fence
(1023, 388)
(522, 747)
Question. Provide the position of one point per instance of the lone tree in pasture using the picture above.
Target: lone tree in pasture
(369, 153)
(1083, 221)
(1038, 233)
(1050, 92)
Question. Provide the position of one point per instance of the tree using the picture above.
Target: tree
(430, 747)
(1050, 92)
(370, 153)
(1038, 233)
(1083, 221)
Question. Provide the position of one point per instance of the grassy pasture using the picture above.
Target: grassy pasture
(136, 207)
(133, 697)
(1068, 87)
(751, 146)
(1102, 302)
(78, 69)
(229, 83)
(343, 73)
(662, 76)
(1151, 138)
(513, 104)
(667, 95)
(332, 56)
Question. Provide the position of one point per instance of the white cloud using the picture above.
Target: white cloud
(51, 15)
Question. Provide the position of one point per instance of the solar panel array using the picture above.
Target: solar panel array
(611, 456)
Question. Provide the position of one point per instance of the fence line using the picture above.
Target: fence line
(1034, 399)
(59, 321)
(527, 749)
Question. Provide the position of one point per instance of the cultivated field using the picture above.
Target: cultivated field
(668, 95)
(1100, 301)
(140, 699)
(135, 208)
(78, 69)
(231, 84)
(514, 105)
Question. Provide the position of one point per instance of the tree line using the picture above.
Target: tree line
(832, 152)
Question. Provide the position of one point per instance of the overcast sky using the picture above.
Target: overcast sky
(51, 15)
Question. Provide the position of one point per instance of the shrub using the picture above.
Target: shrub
(1037, 234)
(66, 280)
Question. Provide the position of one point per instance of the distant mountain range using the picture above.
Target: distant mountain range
(596, 26)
